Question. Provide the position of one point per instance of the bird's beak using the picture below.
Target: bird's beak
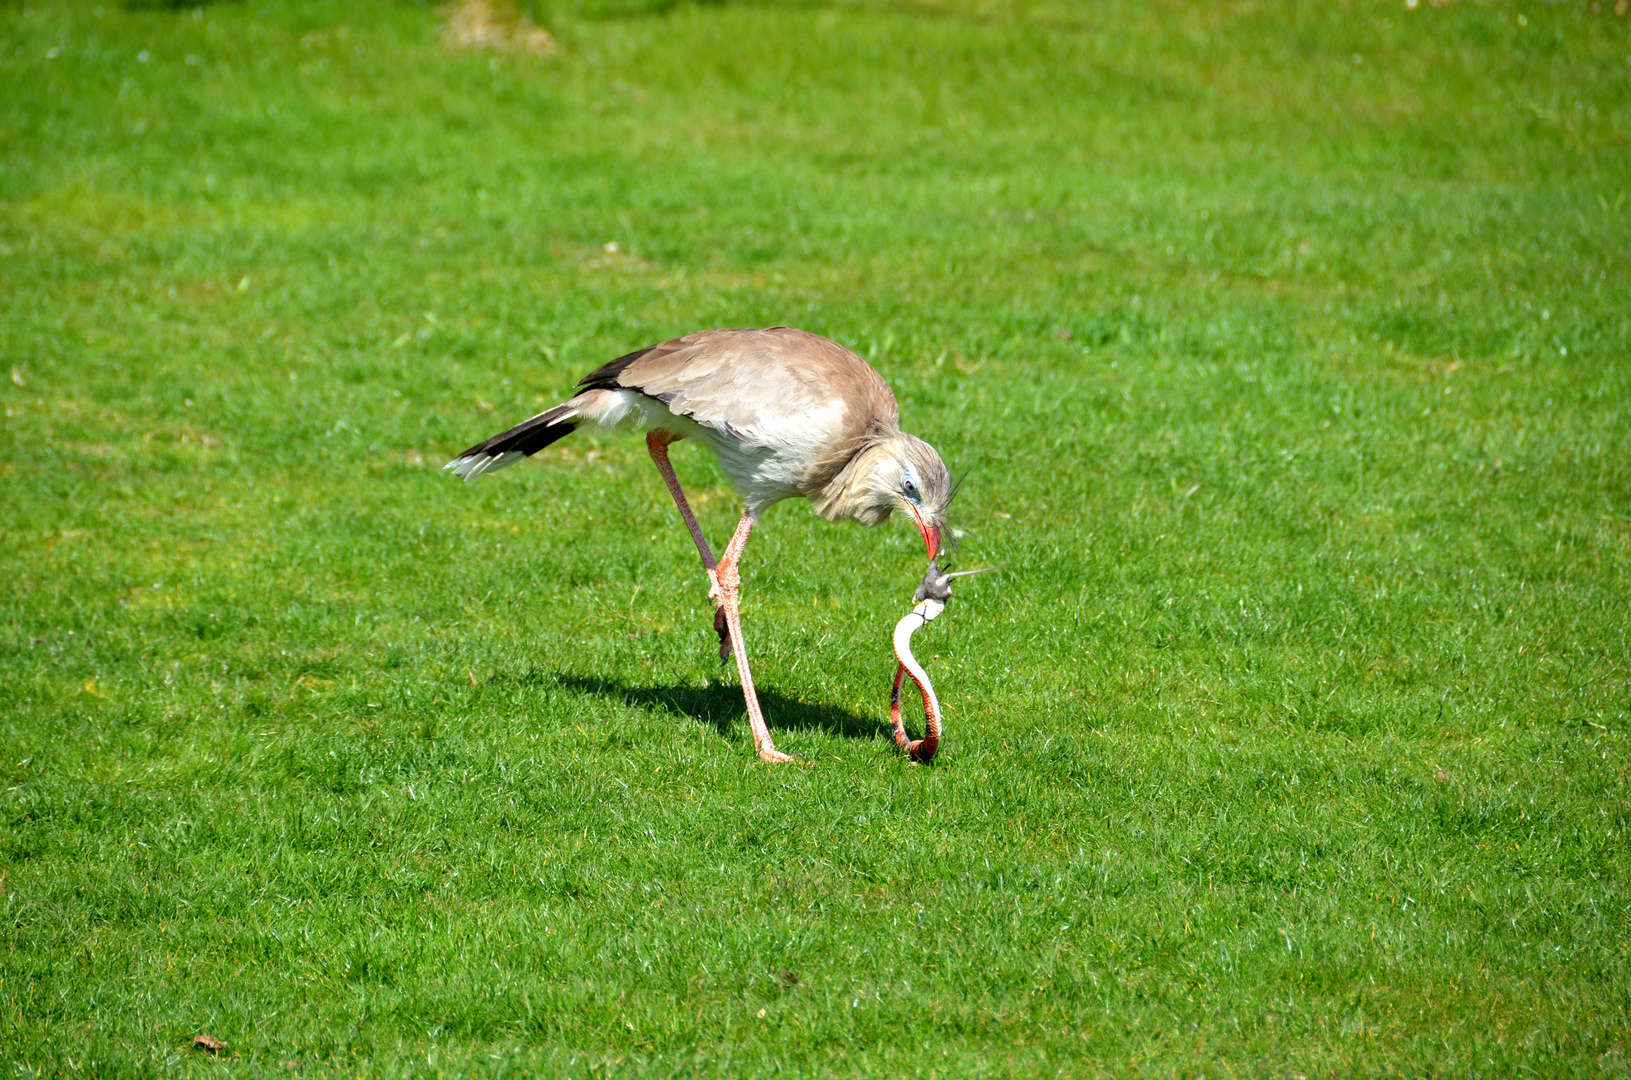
(931, 535)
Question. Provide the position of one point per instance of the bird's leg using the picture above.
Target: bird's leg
(657, 445)
(726, 585)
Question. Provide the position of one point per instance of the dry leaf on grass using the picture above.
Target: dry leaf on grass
(495, 26)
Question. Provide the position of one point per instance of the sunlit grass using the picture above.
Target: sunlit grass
(1284, 347)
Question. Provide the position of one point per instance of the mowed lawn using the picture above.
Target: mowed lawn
(1283, 346)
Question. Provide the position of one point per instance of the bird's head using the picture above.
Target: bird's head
(906, 474)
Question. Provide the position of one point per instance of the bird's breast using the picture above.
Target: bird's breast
(769, 455)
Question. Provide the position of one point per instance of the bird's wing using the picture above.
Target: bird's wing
(751, 383)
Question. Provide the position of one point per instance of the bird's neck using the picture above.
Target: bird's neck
(842, 486)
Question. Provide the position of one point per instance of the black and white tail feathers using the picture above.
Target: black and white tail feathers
(509, 447)
(551, 425)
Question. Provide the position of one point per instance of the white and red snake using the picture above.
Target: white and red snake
(931, 599)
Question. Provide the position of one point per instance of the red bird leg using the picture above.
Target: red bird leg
(726, 585)
(657, 444)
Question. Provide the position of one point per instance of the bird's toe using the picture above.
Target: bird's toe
(723, 629)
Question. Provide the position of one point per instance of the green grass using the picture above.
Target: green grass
(1285, 346)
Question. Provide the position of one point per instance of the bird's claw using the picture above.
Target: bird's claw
(779, 757)
(723, 585)
(722, 627)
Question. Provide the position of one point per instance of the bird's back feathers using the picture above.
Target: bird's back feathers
(741, 379)
(606, 376)
(786, 411)
(787, 392)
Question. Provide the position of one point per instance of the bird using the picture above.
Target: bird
(787, 413)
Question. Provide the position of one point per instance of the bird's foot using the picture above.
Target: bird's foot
(772, 756)
(723, 629)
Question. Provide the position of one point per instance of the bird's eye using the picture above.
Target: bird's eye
(910, 488)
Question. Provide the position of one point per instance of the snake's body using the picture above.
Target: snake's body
(930, 599)
(920, 616)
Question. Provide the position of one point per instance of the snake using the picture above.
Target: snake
(928, 602)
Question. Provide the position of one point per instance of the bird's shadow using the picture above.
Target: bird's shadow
(722, 705)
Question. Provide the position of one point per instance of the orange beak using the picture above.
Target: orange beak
(931, 536)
